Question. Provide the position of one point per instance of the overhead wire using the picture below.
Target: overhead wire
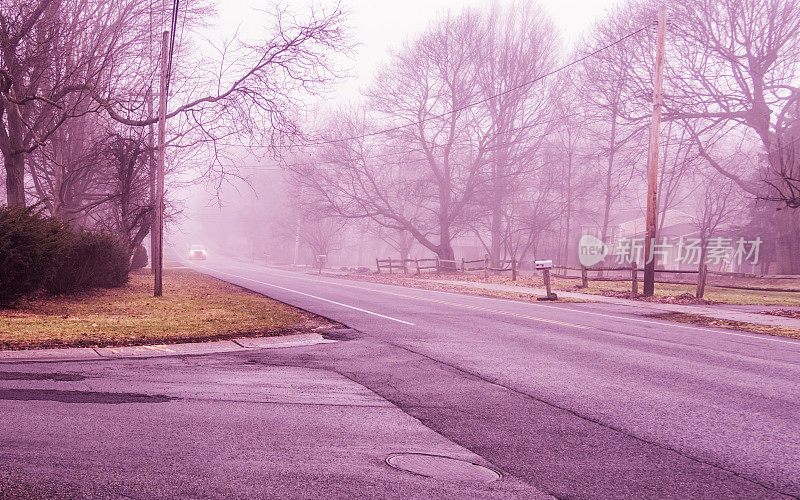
(426, 119)
(420, 150)
(485, 99)
(457, 109)
(173, 28)
(453, 111)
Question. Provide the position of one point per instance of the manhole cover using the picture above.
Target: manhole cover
(439, 467)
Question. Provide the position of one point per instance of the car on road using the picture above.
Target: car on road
(197, 252)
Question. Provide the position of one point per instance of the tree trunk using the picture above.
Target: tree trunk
(445, 252)
(405, 241)
(702, 270)
(15, 180)
(609, 198)
(496, 230)
(568, 228)
(445, 247)
(787, 244)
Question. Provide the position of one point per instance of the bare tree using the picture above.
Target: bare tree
(783, 178)
(613, 124)
(54, 54)
(679, 161)
(519, 48)
(536, 212)
(128, 210)
(734, 62)
(736, 69)
(568, 155)
(423, 175)
(398, 239)
(67, 58)
(716, 206)
(729, 76)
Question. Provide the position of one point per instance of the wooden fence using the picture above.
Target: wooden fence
(634, 271)
(631, 273)
(393, 264)
(437, 264)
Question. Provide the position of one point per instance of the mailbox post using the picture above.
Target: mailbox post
(545, 266)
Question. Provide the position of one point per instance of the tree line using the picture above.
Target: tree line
(78, 82)
(487, 125)
(484, 125)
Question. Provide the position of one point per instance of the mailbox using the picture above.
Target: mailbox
(543, 264)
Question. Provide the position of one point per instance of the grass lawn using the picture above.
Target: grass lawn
(194, 307)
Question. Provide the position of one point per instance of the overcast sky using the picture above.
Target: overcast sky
(379, 25)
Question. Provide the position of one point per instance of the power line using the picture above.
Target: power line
(399, 153)
(420, 150)
(461, 108)
(484, 100)
(440, 115)
(173, 27)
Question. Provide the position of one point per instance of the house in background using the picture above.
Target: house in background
(676, 246)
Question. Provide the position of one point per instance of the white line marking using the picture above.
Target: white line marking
(678, 325)
(426, 299)
(335, 281)
(312, 296)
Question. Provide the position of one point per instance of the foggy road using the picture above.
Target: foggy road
(650, 146)
(575, 400)
(578, 400)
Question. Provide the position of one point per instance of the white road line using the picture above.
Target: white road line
(435, 301)
(678, 325)
(312, 296)
(335, 281)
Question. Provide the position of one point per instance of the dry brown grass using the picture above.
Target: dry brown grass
(435, 282)
(665, 292)
(694, 319)
(668, 291)
(194, 307)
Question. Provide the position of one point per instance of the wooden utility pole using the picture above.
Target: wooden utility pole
(158, 255)
(648, 286)
(151, 174)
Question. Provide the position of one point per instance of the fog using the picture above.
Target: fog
(453, 130)
(542, 151)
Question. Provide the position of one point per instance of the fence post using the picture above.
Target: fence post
(390, 265)
(378, 264)
(634, 279)
(438, 264)
(419, 273)
(486, 266)
(405, 265)
(513, 268)
(463, 267)
(584, 277)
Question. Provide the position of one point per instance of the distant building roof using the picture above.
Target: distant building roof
(673, 220)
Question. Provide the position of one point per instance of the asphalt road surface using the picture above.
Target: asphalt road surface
(573, 400)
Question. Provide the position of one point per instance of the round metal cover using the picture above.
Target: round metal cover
(440, 467)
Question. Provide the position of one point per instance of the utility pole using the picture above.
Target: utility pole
(648, 286)
(151, 174)
(158, 255)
